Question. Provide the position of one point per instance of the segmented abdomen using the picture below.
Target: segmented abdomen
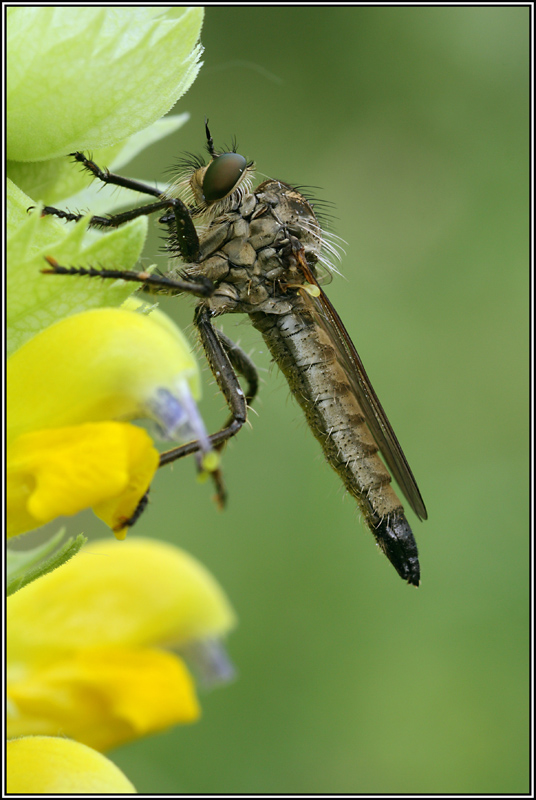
(308, 360)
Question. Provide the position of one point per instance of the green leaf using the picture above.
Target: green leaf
(86, 78)
(56, 181)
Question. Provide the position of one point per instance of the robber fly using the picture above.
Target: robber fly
(259, 252)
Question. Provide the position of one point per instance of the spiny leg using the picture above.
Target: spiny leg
(244, 366)
(110, 221)
(138, 511)
(224, 357)
(150, 283)
(112, 178)
(186, 239)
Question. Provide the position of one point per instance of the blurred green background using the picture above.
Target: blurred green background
(414, 123)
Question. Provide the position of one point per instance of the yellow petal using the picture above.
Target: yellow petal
(98, 365)
(107, 466)
(140, 592)
(85, 642)
(104, 696)
(48, 765)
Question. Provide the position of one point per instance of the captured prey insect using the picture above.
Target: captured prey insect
(259, 252)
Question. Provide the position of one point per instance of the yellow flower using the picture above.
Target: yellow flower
(107, 466)
(49, 765)
(89, 645)
(71, 390)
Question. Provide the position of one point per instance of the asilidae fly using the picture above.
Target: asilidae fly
(259, 253)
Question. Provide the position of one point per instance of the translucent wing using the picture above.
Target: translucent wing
(376, 418)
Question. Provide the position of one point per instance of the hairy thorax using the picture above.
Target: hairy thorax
(246, 251)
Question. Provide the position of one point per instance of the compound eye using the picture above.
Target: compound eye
(222, 175)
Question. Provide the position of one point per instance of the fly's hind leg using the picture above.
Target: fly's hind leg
(225, 359)
(245, 367)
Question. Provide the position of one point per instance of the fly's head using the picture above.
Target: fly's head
(213, 188)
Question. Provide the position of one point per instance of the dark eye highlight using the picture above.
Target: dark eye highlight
(222, 175)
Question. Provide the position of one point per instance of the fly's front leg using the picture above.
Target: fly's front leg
(112, 178)
(185, 238)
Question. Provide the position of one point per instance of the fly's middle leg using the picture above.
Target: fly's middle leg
(224, 357)
(245, 367)
(149, 282)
